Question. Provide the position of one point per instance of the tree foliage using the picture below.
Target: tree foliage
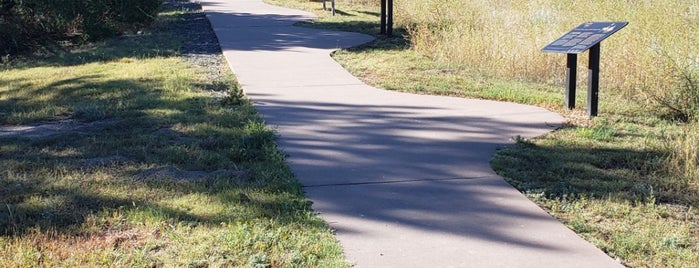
(26, 25)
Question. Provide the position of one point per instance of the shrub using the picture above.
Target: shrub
(681, 99)
(29, 24)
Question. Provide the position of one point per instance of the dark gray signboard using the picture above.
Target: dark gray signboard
(588, 35)
(584, 37)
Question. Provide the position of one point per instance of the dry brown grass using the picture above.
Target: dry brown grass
(504, 38)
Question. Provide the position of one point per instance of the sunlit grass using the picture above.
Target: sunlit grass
(406, 70)
(93, 90)
(613, 180)
(78, 198)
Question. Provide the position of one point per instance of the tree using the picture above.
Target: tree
(26, 25)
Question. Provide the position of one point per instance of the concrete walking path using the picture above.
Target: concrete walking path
(404, 179)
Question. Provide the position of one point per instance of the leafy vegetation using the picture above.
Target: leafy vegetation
(33, 24)
(626, 180)
(127, 159)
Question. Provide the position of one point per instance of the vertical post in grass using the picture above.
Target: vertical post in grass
(389, 20)
(383, 17)
(593, 81)
(332, 6)
(571, 79)
(386, 23)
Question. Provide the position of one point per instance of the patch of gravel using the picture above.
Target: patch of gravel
(201, 48)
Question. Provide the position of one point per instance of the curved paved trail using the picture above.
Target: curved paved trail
(404, 179)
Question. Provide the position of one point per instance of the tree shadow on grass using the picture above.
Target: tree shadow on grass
(45, 184)
(29, 206)
(399, 40)
(574, 170)
(163, 39)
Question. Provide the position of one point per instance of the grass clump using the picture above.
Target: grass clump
(141, 161)
(626, 180)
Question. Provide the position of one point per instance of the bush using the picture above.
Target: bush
(26, 25)
(680, 100)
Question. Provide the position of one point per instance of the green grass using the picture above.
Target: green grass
(145, 107)
(626, 181)
(400, 68)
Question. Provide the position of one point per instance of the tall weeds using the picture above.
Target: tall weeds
(684, 156)
(504, 38)
(681, 101)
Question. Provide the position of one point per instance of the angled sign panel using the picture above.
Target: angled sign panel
(584, 37)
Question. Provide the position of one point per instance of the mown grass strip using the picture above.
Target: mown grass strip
(139, 164)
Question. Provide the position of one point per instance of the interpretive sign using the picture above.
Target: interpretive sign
(584, 37)
(588, 35)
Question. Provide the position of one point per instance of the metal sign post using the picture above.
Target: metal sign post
(588, 35)
(386, 23)
(332, 6)
(593, 81)
(571, 78)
